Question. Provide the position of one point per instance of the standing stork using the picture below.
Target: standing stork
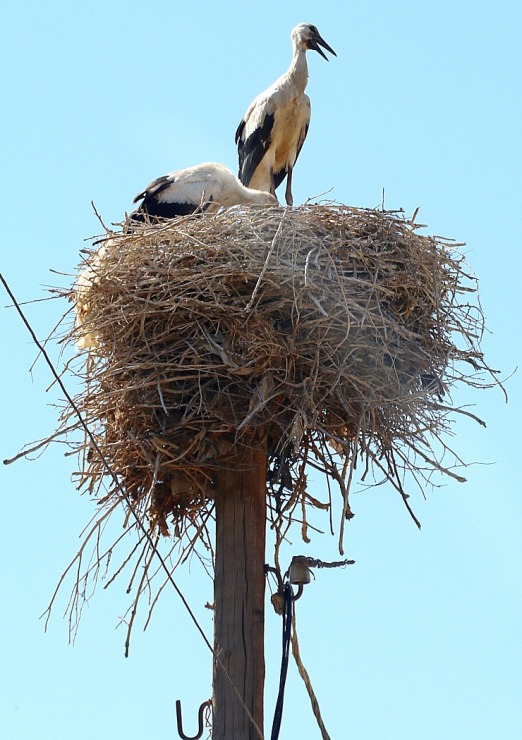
(270, 136)
(205, 187)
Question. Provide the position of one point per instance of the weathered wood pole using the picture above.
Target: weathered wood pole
(239, 597)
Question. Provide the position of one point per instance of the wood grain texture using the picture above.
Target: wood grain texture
(239, 594)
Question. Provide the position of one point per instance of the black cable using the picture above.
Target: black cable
(287, 629)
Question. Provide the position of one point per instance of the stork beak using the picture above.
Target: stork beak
(315, 42)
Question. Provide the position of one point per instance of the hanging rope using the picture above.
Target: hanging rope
(287, 629)
(307, 682)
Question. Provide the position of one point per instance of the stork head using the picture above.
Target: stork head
(263, 199)
(306, 36)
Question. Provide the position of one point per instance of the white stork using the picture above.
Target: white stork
(205, 187)
(270, 136)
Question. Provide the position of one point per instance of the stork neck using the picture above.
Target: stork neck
(298, 70)
(244, 194)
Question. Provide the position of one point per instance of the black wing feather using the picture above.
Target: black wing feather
(152, 209)
(253, 149)
(155, 188)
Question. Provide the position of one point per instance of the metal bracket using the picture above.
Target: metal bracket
(200, 721)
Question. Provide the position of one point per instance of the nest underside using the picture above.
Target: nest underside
(331, 334)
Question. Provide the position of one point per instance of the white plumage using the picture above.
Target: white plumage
(204, 187)
(272, 132)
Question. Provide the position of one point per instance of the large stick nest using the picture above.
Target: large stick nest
(334, 333)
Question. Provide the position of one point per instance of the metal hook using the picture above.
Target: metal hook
(200, 721)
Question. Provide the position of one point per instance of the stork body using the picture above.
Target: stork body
(206, 187)
(273, 130)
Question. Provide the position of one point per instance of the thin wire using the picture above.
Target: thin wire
(140, 524)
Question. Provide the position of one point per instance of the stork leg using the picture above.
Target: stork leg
(288, 192)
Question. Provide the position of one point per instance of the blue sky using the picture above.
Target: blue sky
(421, 638)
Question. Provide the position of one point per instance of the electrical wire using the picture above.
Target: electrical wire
(126, 497)
(288, 607)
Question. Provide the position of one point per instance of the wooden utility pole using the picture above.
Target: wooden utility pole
(239, 598)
